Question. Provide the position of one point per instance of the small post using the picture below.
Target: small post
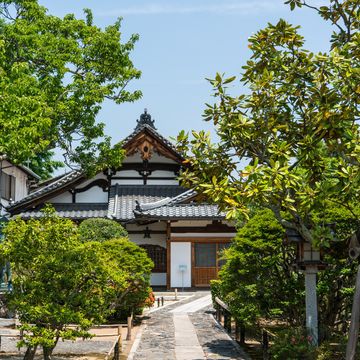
(162, 301)
(129, 326)
(21, 334)
(176, 294)
(0, 342)
(119, 339)
(116, 352)
(265, 344)
(242, 334)
(158, 301)
(237, 331)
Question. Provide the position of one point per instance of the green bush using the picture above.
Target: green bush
(293, 344)
(99, 229)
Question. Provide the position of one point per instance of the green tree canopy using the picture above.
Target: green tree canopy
(297, 129)
(58, 281)
(257, 280)
(54, 75)
(99, 229)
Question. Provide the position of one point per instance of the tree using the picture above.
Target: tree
(54, 75)
(257, 280)
(129, 258)
(297, 129)
(133, 261)
(99, 229)
(59, 281)
(44, 165)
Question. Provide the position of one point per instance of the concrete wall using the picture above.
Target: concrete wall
(180, 255)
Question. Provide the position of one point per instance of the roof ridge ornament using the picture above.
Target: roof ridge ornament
(145, 119)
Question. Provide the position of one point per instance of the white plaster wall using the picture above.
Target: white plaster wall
(162, 182)
(127, 173)
(158, 279)
(92, 195)
(162, 173)
(156, 239)
(89, 181)
(127, 182)
(180, 255)
(63, 198)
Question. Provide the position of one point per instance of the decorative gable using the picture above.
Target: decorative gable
(146, 141)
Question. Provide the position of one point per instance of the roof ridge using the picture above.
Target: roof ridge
(176, 200)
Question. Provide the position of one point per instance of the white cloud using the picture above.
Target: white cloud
(177, 8)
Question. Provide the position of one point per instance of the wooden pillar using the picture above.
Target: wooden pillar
(168, 255)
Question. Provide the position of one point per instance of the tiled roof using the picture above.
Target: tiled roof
(48, 188)
(123, 198)
(174, 208)
(73, 211)
(183, 211)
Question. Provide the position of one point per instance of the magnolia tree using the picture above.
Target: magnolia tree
(297, 130)
(54, 75)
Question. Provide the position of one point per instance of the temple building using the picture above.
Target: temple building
(181, 232)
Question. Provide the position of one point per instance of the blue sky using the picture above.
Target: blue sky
(182, 42)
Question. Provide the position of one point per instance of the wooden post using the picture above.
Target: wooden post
(120, 339)
(162, 301)
(242, 334)
(265, 344)
(237, 331)
(129, 325)
(355, 317)
(176, 295)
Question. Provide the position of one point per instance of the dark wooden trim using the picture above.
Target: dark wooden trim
(208, 228)
(151, 166)
(102, 183)
(192, 264)
(151, 232)
(168, 264)
(141, 178)
(201, 239)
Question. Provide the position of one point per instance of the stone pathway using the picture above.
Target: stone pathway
(186, 330)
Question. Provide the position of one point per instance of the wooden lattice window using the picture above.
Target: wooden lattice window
(158, 255)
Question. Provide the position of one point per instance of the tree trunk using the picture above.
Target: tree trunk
(30, 353)
(354, 327)
(48, 352)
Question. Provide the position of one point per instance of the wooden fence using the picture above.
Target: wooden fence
(237, 329)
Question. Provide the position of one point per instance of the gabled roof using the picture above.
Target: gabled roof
(146, 137)
(49, 189)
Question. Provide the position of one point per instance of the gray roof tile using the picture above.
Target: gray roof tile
(48, 188)
(72, 211)
(123, 198)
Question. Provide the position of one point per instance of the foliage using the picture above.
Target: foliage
(99, 229)
(336, 282)
(136, 265)
(257, 280)
(54, 75)
(58, 280)
(297, 129)
(44, 165)
(292, 344)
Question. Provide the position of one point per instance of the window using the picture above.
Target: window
(158, 255)
(205, 255)
(7, 186)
